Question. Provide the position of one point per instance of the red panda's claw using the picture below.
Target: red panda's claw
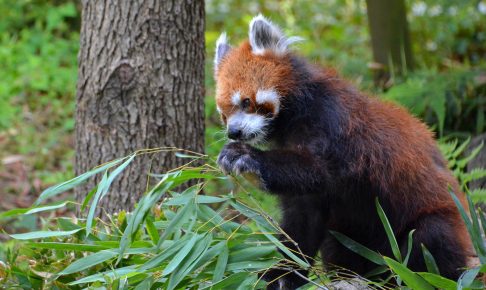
(236, 158)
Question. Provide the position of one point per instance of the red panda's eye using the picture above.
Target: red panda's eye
(245, 104)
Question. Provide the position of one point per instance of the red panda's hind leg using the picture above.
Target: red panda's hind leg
(445, 239)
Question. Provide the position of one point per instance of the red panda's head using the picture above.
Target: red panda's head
(252, 80)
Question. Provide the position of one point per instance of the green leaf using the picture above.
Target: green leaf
(102, 190)
(259, 218)
(467, 278)
(135, 219)
(231, 282)
(284, 249)
(47, 207)
(65, 186)
(67, 246)
(165, 254)
(152, 231)
(248, 283)
(182, 217)
(92, 209)
(181, 200)
(102, 276)
(210, 254)
(209, 215)
(358, 248)
(88, 197)
(221, 264)
(439, 281)
(477, 237)
(472, 230)
(43, 234)
(252, 252)
(250, 265)
(181, 255)
(190, 261)
(389, 231)
(413, 280)
(429, 261)
(409, 247)
(89, 261)
(13, 213)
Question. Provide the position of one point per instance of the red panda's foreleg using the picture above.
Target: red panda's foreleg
(282, 172)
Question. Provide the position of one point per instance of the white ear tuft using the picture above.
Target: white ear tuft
(222, 48)
(264, 35)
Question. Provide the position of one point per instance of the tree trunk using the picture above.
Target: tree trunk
(390, 38)
(140, 85)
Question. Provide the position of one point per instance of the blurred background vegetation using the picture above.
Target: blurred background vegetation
(39, 40)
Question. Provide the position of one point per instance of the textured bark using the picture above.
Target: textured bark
(140, 85)
(390, 38)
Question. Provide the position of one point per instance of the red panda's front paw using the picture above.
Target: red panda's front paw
(237, 158)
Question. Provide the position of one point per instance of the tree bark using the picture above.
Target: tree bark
(390, 38)
(140, 85)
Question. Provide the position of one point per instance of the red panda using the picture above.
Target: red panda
(330, 151)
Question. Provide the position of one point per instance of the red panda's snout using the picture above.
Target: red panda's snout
(252, 79)
(250, 116)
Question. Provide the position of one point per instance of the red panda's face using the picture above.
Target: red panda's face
(251, 81)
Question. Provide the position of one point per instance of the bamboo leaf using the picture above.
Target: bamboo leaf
(47, 207)
(65, 186)
(189, 262)
(251, 253)
(210, 254)
(439, 281)
(413, 280)
(221, 264)
(43, 234)
(89, 261)
(152, 231)
(231, 281)
(284, 249)
(182, 217)
(429, 261)
(181, 200)
(102, 276)
(139, 213)
(358, 248)
(166, 254)
(88, 198)
(67, 246)
(409, 247)
(181, 255)
(389, 231)
(467, 278)
(97, 196)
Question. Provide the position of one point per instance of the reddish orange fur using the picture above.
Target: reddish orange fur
(247, 73)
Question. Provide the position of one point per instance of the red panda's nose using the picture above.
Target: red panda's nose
(234, 133)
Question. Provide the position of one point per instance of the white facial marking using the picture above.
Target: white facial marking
(268, 96)
(218, 109)
(235, 98)
(252, 126)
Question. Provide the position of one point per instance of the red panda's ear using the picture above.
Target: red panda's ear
(265, 36)
(222, 48)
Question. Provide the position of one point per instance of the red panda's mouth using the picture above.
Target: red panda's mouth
(248, 128)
